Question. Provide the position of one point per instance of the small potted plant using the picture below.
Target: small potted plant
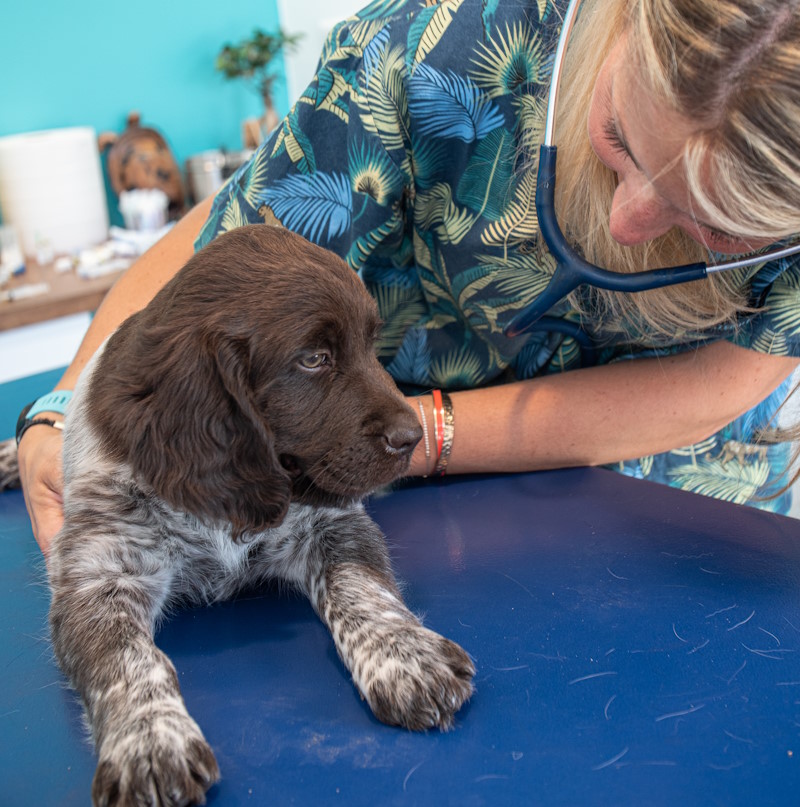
(250, 60)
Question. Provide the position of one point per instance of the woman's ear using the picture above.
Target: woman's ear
(185, 420)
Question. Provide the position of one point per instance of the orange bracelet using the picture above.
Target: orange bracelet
(438, 423)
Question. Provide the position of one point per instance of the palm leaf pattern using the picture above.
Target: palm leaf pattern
(382, 98)
(379, 9)
(521, 276)
(436, 291)
(534, 354)
(707, 446)
(488, 12)
(729, 481)
(762, 415)
(461, 368)
(530, 128)
(318, 206)
(400, 308)
(233, 216)
(412, 155)
(364, 32)
(772, 342)
(428, 160)
(784, 304)
(373, 173)
(333, 91)
(487, 185)
(646, 464)
(566, 356)
(375, 50)
(488, 315)
(423, 254)
(427, 30)
(296, 143)
(445, 104)
(518, 223)
(340, 45)
(466, 283)
(508, 64)
(435, 209)
(252, 178)
(413, 358)
(365, 245)
(213, 225)
(764, 275)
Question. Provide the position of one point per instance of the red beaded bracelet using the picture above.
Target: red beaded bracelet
(438, 423)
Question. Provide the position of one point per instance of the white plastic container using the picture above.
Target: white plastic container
(51, 189)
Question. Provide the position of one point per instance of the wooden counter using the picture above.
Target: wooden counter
(68, 294)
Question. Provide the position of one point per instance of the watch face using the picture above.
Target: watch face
(21, 420)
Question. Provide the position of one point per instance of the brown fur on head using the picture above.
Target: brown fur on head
(251, 380)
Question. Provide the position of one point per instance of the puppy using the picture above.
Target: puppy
(222, 437)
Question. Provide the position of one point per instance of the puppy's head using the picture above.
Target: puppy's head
(251, 379)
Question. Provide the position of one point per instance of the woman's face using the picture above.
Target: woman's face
(642, 142)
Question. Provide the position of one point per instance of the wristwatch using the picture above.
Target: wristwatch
(52, 402)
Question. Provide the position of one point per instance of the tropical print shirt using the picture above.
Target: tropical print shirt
(407, 156)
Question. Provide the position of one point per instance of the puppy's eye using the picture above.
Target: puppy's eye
(315, 360)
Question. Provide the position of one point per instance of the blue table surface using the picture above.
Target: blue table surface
(634, 645)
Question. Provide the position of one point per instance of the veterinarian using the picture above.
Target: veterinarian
(413, 155)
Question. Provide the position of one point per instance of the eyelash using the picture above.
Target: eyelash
(615, 142)
(613, 138)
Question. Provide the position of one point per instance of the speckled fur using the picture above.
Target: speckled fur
(9, 470)
(131, 548)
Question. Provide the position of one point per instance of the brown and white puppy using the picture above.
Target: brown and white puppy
(224, 436)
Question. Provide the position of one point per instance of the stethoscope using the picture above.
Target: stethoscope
(571, 269)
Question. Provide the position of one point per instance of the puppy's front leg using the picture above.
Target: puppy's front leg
(409, 675)
(150, 750)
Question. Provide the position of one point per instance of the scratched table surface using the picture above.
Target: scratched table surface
(634, 645)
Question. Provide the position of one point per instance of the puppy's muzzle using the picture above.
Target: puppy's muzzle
(400, 439)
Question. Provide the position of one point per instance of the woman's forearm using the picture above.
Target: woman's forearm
(138, 286)
(606, 414)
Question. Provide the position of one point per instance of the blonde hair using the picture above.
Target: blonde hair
(734, 67)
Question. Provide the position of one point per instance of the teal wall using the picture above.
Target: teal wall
(91, 62)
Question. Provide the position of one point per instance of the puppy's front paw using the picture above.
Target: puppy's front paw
(161, 760)
(417, 679)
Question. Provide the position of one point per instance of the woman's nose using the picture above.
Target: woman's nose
(638, 213)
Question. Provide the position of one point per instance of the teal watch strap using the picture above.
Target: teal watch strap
(52, 402)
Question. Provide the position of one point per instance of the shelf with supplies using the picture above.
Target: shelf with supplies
(42, 292)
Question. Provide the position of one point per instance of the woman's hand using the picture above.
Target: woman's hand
(600, 415)
(40, 472)
(39, 454)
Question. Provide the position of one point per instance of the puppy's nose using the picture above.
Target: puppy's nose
(402, 439)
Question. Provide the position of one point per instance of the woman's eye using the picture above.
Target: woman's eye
(613, 139)
(314, 361)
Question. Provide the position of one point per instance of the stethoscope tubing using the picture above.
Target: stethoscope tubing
(571, 269)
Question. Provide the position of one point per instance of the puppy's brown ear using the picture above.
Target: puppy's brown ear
(259, 488)
(185, 419)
